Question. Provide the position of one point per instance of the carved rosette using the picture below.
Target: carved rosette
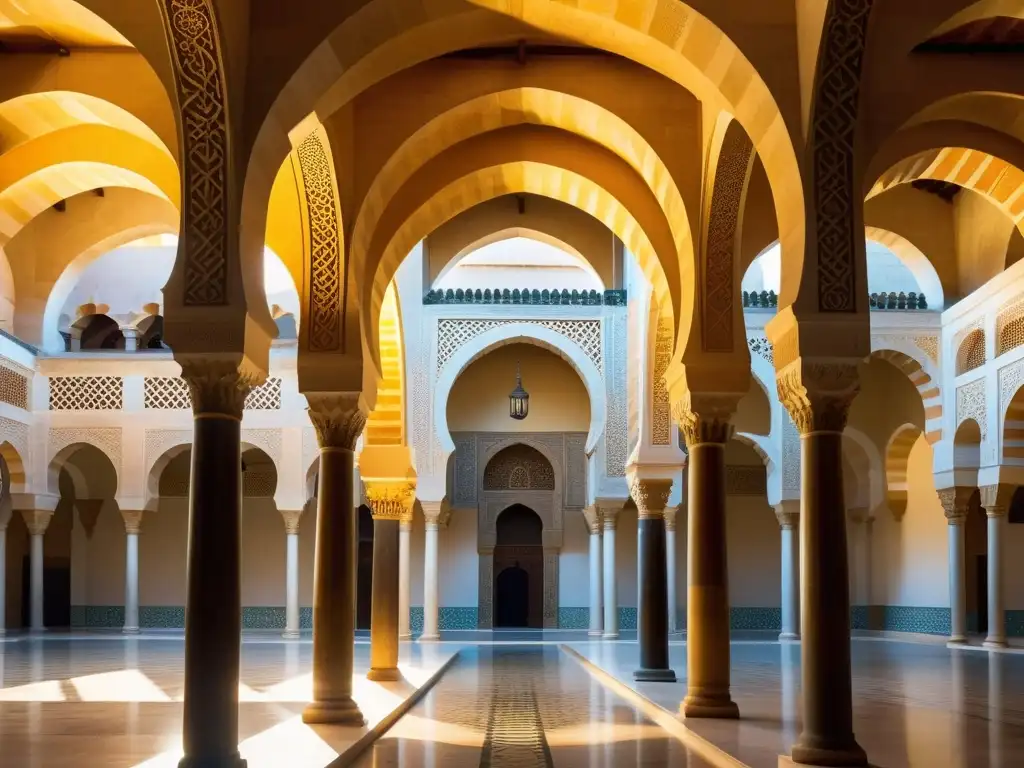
(218, 387)
(818, 395)
(650, 497)
(292, 518)
(389, 501)
(995, 499)
(37, 520)
(955, 503)
(132, 521)
(338, 418)
(705, 418)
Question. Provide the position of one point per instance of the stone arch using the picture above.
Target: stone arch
(528, 333)
(15, 479)
(97, 330)
(265, 485)
(386, 423)
(897, 457)
(914, 260)
(971, 353)
(1013, 429)
(519, 467)
(62, 461)
(922, 374)
(156, 470)
(967, 450)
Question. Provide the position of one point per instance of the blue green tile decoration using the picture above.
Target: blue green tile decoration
(859, 617)
(306, 618)
(416, 619)
(1015, 623)
(756, 618)
(904, 618)
(627, 618)
(263, 617)
(457, 618)
(162, 616)
(573, 618)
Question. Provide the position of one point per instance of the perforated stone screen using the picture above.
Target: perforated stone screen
(266, 397)
(13, 388)
(171, 392)
(452, 334)
(1010, 328)
(86, 393)
(971, 354)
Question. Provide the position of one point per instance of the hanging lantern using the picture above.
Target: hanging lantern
(519, 400)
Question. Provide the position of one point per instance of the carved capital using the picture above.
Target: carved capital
(132, 520)
(592, 516)
(705, 418)
(818, 395)
(37, 520)
(219, 386)
(436, 514)
(609, 513)
(650, 497)
(788, 513)
(671, 513)
(389, 501)
(292, 518)
(338, 418)
(995, 499)
(955, 503)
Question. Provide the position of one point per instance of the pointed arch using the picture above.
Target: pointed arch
(922, 374)
(16, 480)
(897, 458)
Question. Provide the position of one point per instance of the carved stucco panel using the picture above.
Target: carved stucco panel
(576, 471)
(790, 457)
(1011, 378)
(107, 439)
(17, 434)
(267, 440)
(970, 404)
(465, 481)
(550, 589)
(661, 411)
(617, 428)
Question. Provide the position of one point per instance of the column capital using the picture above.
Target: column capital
(592, 516)
(390, 500)
(706, 417)
(37, 520)
(671, 514)
(818, 394)
(219, 385)
(292, 518)
(608, 510)
(338, 418)
(650, 496)
(436, 514)
(132, 520)
(787, 512)
(955, 502)
(995, 499)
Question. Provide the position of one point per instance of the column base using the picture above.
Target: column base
(789, 637)
(654, 676)
(595, 633)
(291, 634)
(994, 642)
(219, 761)
(384, 674)
(337, 712)
(130, 631)
(430, 638)
(851, 756)
(405, 636)
(609, 635)
(957, 640)
(702, 707)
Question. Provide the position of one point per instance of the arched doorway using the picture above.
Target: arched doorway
(364, 569)
(519, 569)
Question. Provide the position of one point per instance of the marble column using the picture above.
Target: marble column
(132, 523)
(818, 399)
(292, 519)
(339, 419)
(592, 515)
(5, 518)
(670, 568)
(955, 503)
(389, 503)
(707, 606)
(787, 512)
(434, 516)
(213, 603)
(995, 500)
(37, 521)
(651, 496)
(609, 518)
(131, 339)
(404, 550)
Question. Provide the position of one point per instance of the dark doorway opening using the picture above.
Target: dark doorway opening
(981, 594)
(56, 593)
(364, 568)
(519, 569)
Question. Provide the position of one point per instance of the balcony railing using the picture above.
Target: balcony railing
(907, 302)
(762, 300)
(530, 297)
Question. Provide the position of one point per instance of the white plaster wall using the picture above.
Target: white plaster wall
(458, 568)
(625, 557)
(1014, 556)
(754, 550)
(574, 562)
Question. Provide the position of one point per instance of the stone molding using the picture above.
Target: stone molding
(292, 520)
(338, 418)
(995, 499)
(671, 514)
(436, 514)
(592, 517)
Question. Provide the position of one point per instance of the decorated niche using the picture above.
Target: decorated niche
(519, 468)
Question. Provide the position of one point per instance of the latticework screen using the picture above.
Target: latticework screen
(166, 393)
(13, 388)
(86, 393)
(971, 354)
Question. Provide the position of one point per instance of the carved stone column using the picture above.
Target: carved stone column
(37, 521)
(404, 549)
(955, 503)
(704, 421)
(651, 496)
(609, 518)
(339, 419)
(670, 568)
(788, 514)
(132, 523)
(435, 516)
(292, 518)
(592, 515)
(213, 607)
(818, 398)
(389, 503)
(995, 499)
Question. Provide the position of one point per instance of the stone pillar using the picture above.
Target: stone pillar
(132, 523)
(131, 338)
(670, 568)
(292, 519)
(339, 419)
(37, 521)
(818, 398)
(5, 518)
(435, 515)
(592, 515)
(404, 534)
(651, 496)
(707, 606)
(955, 502)
(995, 499)
(609, 518)
(213, 603)
(787, 512)
(389, 503)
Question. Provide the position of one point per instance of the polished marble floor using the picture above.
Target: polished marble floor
(524, 707)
